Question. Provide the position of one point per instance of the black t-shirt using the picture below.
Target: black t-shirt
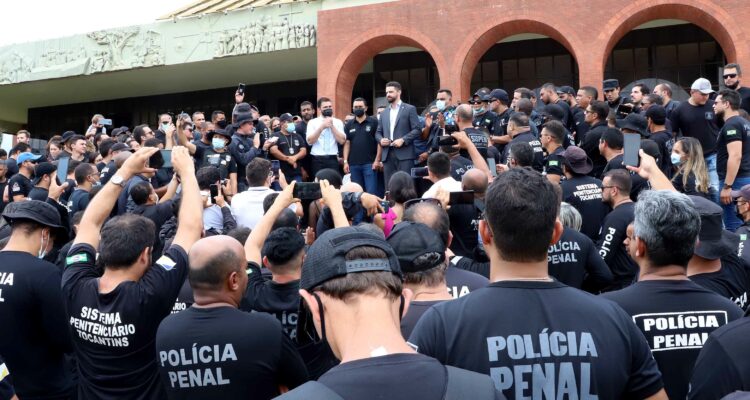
(743, 249)
(33, 331)
(585, 194)
(611, 246)
(362, 144)
(464, 223)
(460, 282)
(412, 316)
(732, 281)
(284, 144)
(19, 185)
(553, 162)
(481, 140)
(279, 299)
(184, 299)
(690, 188)
(224, 353)
(580, 127)
(78, 201)
(541, 339)
(735, 129)
(665, 142)
(400, 376)
(744, 98)
(6, 382)
(590, 144)
(210, 158)
(723, 366)
(501, 127)
(114, 333)
(698, 122)
(535, 144)
(106, 173)
(574, 259)
(38, 193)
(487, 121)
(459, 166)
(676, 316)
(159, 214)
(638, 184)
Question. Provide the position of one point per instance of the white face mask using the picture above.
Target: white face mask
(43, 248)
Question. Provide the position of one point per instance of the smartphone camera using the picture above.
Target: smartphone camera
(419, 172)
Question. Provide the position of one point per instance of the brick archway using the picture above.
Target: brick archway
(352, 57)
(705, 14)
(474, 49)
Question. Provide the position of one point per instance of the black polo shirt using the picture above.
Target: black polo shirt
(735, 129)
(481, 140)
(575, 259)
(698, 122)
(638, 184)
(611, 246)
(278, 299)
(731, 281)
(585, 194)
(486, 120)
(535, 144)
(19, 185)
(723, 366)
(288, 145)
(554, 162)
(362, 144)
(459, 166)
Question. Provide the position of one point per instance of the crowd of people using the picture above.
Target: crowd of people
(526, 244)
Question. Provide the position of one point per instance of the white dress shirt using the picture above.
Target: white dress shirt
(326, 144)
(448, 184)
(393, 114)
(247, 206)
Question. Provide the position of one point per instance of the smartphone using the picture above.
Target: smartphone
(214, 189)
(167, 156)
(105, 121)
(241, 89)
(275, 165)
(632, 143)
(62, 169)
(447, 140)
(624, 109)
(386, 206)
(493, 166)
(466, 197)
(419, 172)
(307, 191)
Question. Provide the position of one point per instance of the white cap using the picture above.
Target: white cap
(702, 85)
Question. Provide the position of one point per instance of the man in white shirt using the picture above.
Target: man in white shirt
(247, 207)
(439, 172)
(325, 133)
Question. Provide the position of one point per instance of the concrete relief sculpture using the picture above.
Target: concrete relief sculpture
(264, 36)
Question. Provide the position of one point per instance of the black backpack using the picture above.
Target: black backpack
(462, 384)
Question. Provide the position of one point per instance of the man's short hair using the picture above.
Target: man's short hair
(286, 219)
(450, 94)
(211, 273)
(359, 99)
(257, 171)
(601, 109)
(665, 87)
(521, 209)
(207, 176)
(642, 87)
(522, 153)
(82, 172)
(282, 246)
(381, 282)
(241, 233)
(323, 100)
(732, 97)
(394, 85)
(613, 138)
(525, 93)
(268, 201)
(20, 148)
(72, 165)
(430, 269)
(304, 104)
(464, 113)
(654, 98)
(439, 164)
(556, 131)
(140, 192)
(620, 179)
(123, 239)
(23, 132)
(590, 91)
(105, 146)
(525, 106)
(732, 66)
(431, 215)
(550, 87)
(196, 113)
(519, 119)
(216, 113)
(668, 223)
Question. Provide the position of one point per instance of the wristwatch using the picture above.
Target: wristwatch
(728, 186)
(117, 180)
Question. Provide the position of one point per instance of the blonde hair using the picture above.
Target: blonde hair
(694, 164)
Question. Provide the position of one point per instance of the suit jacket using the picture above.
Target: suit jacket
(407, 128)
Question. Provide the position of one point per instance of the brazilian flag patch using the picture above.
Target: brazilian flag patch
(77, 258)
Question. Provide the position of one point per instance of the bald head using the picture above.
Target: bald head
(121, 157)
(464, 112)
(212, 260)
(352, 187)
(476, 180)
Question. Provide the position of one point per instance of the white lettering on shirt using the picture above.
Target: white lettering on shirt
(102, 328)
(679, 330)
(199, 376)
(6, 279)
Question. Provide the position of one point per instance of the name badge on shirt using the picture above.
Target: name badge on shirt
(368, 128)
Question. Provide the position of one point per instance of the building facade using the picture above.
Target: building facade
(289, 51)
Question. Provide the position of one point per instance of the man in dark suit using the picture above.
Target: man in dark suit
(399, 126)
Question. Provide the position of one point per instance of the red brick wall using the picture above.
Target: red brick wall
(457, 33)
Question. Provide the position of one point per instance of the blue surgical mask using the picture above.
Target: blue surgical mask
(218, 143)
(440, 104)
(290, 127)
(676, 159)
(479, 111)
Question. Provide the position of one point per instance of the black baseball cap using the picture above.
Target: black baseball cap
(657, 113)
(553, 111)
(500, 94)
(42, 169)
(39, 212)
(121, 147)
(326, 258)
(566, 90)
(411, 240)
(285, 117)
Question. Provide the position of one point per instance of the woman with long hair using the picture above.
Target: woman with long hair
(54, 148)
(692, 174)
(400, 190)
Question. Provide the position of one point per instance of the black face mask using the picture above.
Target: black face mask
(327, 112)
(222, 124)
(277, 129)
(359, 112)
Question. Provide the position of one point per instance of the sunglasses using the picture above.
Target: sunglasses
(728, 76)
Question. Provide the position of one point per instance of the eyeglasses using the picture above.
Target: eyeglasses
(728, 76)
(587, 111)
(610, 187)
(420, 200)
